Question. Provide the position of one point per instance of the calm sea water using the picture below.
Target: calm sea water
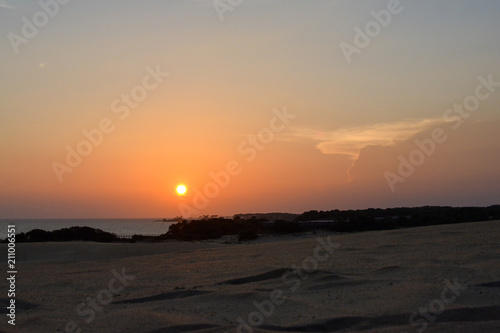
(120, 227)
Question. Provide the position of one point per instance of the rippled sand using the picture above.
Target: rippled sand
(433, 279)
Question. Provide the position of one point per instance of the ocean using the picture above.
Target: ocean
(120, 227)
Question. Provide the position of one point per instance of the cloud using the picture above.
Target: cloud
(467, 162)
(350, 141)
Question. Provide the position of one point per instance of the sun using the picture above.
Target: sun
(181, 190)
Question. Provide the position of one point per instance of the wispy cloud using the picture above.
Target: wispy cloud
(349, 141)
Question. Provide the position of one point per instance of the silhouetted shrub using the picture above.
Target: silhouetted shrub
(67, 234)
(211, 228)
(38, 235)
(285, 227)
(247, 234)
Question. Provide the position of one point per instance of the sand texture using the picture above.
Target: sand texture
(433, 279)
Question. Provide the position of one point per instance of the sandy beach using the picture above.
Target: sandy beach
(434, 279)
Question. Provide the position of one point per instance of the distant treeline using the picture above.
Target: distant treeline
(334, 220)
(406, 217)
(268, 216)
(250, 228)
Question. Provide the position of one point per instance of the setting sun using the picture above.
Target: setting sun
(181, 190)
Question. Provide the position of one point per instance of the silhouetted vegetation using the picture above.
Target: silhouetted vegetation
(247, 234)
(67, 234)
(286, 227)
(212, 227)
(394, 218)
(268, 216)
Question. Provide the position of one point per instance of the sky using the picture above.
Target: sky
(255, 106)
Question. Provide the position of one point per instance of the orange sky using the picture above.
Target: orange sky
(171, 94)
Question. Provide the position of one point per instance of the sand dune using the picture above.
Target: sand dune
(432, 279)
